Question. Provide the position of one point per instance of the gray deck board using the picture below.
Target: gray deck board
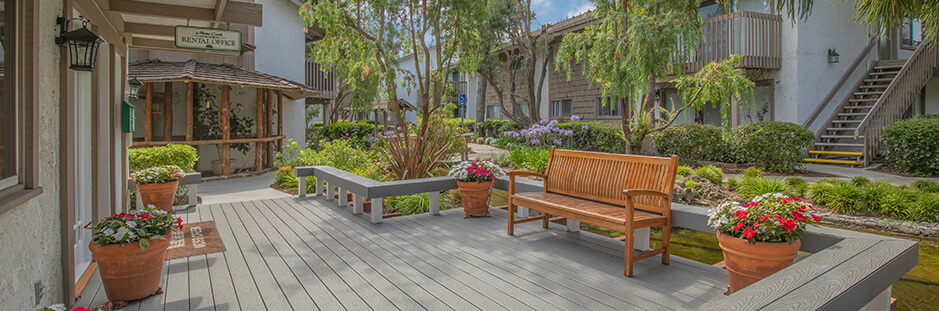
(307, 253)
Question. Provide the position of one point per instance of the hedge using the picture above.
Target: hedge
(912, 145)
(595, 136)
(495, 128)
(771, 145)
(183, 156)
(692, 143)
(357, 133)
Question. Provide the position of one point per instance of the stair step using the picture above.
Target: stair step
(862, 100)
(848, 153)
(828, 161)
(841, 137)
(884, 73)
(867, 93)
(892, 62)
(879, 80)
(888, 66)
(839, 144)
(857, 107)
(851, 114)
(874, 86)
(846, 121)
(840, 129)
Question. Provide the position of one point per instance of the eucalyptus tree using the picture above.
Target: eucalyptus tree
(637, 43)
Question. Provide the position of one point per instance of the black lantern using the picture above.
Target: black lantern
(833, 56)
(133, 88)
(82, 44)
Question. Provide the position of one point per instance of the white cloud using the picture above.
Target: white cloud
(538, 5)
(581, 9)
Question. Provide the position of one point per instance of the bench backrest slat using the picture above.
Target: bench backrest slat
(602, 177)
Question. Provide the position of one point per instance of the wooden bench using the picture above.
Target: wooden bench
(614, 191)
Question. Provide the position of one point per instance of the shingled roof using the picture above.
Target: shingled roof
(153, 70)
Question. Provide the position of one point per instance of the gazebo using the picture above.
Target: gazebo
(381, 107)
(271, 91)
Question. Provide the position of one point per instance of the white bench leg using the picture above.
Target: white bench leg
(357, 208)
(434, 197)
(319, 187)
(343, 198)
(301, 186)
(573, 225)
(377, 210)
(641, 238)
(330, 192)
(193, 195)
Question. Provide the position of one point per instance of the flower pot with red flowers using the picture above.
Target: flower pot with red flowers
(761, 237)
(157, 186)
(475, 180)
(130, 249)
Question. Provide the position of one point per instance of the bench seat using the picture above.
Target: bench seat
(606, 215)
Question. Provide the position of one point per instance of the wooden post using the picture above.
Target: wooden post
(190, 106)
(268, 132)
(280, 120)
(168, 111)
(148, 114)
(258, 120)
(226, 130)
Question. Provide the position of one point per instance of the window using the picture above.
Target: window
(611, 107)
(911, 34)
(492, 112)
(524, 108)
(8, 105)
(560, 108)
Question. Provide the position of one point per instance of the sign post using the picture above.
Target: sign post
(208, 39)
(462, 109)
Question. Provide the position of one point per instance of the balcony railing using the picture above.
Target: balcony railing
(755, 36)
(319, 80)
(459, 87)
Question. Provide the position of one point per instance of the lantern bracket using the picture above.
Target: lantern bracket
(64, 27)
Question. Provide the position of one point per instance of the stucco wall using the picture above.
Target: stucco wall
(29, 234)
(281, 52)
(932, 95)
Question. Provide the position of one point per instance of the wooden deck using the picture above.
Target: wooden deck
(307, 253)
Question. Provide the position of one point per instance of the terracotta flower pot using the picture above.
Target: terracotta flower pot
(127, 273)
(475, 197)
(159, 195)
(747, 263)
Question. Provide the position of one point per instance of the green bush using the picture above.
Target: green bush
(912, 145)
(797, 186)
(495, 128)
(877, 198)
(712, 173)
(732, 184)
(684, 171)
(752, 172)
(838, 195)
(533, 159)
(926, 185)
(860, 181)
(506, 142)
(692, 143)
(183, 156)
(927, 208)
(750, 187)
(770, 145)
(595, 136)
(358, 134)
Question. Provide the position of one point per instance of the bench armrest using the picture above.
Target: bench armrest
(513, 174)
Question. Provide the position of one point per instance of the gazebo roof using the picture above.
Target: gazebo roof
(153, 70)
(383, 104)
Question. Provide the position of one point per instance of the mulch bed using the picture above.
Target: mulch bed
(889, 168)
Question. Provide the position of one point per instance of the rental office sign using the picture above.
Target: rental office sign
(208, 39)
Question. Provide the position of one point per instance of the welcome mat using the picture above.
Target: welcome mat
(195, 239)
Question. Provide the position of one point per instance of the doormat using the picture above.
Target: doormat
(195, 239)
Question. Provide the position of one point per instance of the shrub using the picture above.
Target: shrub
(926, 186)
(595, 136)
(711, 173)
(750, 187)
(684, 171)
(533, 159)
(183, 156)
(732, 184)
(358, 134)
(692, 143)
(506, 142)
(797, 186)
(927, 208)
(770, 145)
(495, 128)
(752, 172)
(860, 181)
(838, 195)
(912, 145)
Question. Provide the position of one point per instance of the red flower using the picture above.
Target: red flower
(144, 216)
(179, 221)
(738, 226)
(180, 227)
(749, 233)
(741, 214)
(762, 218)
(81, 309)
(88, 225)
(797, 216)
(788, 224)
(815, 217)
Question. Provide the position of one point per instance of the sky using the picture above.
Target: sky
(553, 11)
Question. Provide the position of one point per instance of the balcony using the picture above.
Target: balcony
(319, 80)
(755, 36)
(459, 87)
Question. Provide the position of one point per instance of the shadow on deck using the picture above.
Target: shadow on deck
(308, 253)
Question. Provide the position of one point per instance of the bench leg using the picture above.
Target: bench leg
(377, 210)
(628, 258)
(193, 195)
(434, 197)
(329, 192)
(511, 217)
(319, 187)
(573, 225)
(343, 198)
(666, 242)
(357, 207)
(301, 186)
(544, 220)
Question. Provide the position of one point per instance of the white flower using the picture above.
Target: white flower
(121, 233)
(131, 224)
(108, 232)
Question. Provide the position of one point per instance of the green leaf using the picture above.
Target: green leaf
(158, 237)
(144, 244)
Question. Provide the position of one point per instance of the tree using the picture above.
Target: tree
(356, 87)
(881, 16)
(637, 43)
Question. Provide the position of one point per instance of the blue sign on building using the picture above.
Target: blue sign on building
(462, 100)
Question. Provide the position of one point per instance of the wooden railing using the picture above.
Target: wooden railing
(755, 36)
(844, 78)
(319, 80)
(459, 87)
(897, 98)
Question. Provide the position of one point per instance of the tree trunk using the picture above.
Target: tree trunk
(481, 85)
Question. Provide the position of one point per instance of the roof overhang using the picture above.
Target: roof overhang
(226, 74)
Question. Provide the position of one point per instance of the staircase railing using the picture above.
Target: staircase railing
(897, 98)
(838, 86)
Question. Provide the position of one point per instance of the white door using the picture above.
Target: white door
(81, 134)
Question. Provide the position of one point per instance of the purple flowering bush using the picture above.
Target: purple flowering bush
(542, 134)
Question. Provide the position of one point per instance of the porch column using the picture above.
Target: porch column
(280, 120)
(168, 111)
(226, 130)
(148, 114)
(190, 106)
(268, 132)
(258, 147)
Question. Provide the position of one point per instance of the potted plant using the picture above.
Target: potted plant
(475, 180)
(156, 186)
(761, 237)
(130, 249)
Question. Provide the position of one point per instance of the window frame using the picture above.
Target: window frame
(908, 25)
(9, 95)
(554, 113)
(612, 107)
(490, 110)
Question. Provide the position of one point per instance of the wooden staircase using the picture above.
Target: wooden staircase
(881, 97)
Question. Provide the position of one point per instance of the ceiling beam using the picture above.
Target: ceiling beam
(240, 13)
(106, 27)
(219, 10)
(151, 30)
(170, 45)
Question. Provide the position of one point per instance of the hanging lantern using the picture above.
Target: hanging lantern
(82, 44)
(833, 56)
(133, 88)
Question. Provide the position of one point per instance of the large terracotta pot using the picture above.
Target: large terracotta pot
(475, 197)
(159, 195)
(747, 263)
(127, 273)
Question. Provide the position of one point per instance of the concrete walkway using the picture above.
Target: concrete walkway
(485, 152)
(850, 172)
(239, 189)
